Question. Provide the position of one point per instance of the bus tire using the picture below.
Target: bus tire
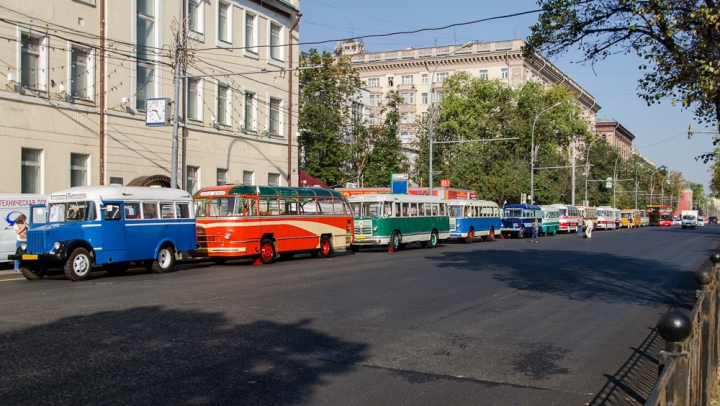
(164, 261)
(267, 251)
(491, 235)
(219, 260)
(354, 248)
(471, 236)
(287, 255)
(394, 245)
(117, 268)
(433, 240)
(33, 273)
(326, 248)
(78, 265)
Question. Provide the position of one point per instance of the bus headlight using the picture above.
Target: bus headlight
(227, 236)
(23, 246)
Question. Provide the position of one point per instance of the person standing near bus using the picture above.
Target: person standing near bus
(20, 228)
(535, 229)
(580, 227)
(589, 228)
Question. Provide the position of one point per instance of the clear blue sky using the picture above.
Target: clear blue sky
(660, 130)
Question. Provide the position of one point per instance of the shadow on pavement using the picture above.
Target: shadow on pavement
(152, 355)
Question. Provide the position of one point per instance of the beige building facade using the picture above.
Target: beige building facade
(410, 73)
(619, 137)
(78, 74)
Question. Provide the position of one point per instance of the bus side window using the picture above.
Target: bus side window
(167, 210)
(252, 207)
(112, 212)
(428, 209)
(183, 210)
(132, 210)
(150, 210)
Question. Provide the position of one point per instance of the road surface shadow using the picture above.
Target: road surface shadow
(153, 355)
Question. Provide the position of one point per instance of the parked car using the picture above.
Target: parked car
(712, 220)
(701, 221)
(677, 221)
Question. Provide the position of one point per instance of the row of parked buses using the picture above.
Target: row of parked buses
(115, 227)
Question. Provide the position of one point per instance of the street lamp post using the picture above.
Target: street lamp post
(532, 153)
(652, 177)
(615, 180)
(587, 171)
(636, 183)
(430, 130)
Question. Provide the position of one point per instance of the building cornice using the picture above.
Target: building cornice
(278, 5)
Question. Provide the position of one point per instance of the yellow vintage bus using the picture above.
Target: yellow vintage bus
(627, 218)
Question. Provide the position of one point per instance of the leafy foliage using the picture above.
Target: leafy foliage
(387, 156)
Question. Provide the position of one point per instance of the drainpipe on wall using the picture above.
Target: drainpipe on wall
(289, 104)
(102, 92)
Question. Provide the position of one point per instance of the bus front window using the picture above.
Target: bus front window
(456, 211)
(367, 209)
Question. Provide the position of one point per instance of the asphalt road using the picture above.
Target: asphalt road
(566, 321)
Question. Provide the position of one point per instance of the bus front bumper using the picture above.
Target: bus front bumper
(361, 240)
(44, 259)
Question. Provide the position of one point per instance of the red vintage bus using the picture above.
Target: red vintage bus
(660, 215)
(235, 221)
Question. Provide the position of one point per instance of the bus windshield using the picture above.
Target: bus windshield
(367, 209)
(456, 211)
(513, 212)
(71, 211)
(562, 212)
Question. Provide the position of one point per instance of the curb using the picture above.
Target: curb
(10, 275)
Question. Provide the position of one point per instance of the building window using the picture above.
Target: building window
(78, 170)
(194, 99)
(222, 177)
(273, 179)
(192, 183)
(249, 111)
(223, 104)
(30, 174)
(407, 117)
(504, 73)
(391, 80)
(275, 44)
(438, 96)
(424, 97)
(81, 80)
(407, 80)
(375, 99)
(250, 43)
(373, 82)
(441, 77)
(408, 98)
(248, 177)
(406, 137)
(374, 119)
(483, 74)
(424, 78)
(32, 63)
(195, 16)
(274, 125)
(145, 68)
(224, 21)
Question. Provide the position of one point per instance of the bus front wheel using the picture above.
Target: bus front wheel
(267, 251)
(471, 236)
(394, 242)
(326, 249)
(78, 265)
(33, 273)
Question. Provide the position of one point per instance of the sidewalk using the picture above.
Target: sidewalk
(9, 274)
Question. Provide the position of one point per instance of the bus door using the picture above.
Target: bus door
(114, 239)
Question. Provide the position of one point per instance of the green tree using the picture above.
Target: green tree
(715, 181)
(327, 95)
(386, 156)
(699, 198)
(679, 40)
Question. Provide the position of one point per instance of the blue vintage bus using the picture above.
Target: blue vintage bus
(109, 226)
(471, 218)
(518, 218)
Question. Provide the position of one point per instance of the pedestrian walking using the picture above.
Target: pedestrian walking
(589, 228)
(617, 223)
(20, 228)
(580, 227)
(536, 229)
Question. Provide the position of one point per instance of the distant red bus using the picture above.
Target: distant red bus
(660, 215)
(236, 221)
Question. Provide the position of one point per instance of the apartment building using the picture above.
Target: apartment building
(410, 72)
(79, 74)
(619, 137)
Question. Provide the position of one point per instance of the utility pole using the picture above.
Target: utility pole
(176, 107)
(573, 173)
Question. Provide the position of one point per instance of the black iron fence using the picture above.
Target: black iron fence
(689, 363)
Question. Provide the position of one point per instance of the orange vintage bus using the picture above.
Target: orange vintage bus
(235, 221)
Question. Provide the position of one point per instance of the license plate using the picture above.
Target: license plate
(359, 237)
(29, 256)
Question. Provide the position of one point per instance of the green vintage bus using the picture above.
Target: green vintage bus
(395, 220)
